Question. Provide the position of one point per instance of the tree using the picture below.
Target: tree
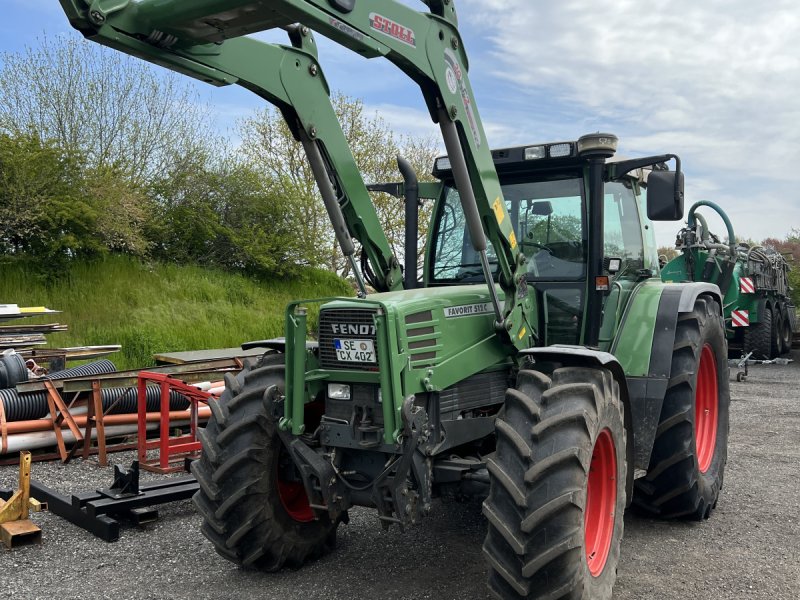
(668, 251)
(221, 212)
(269, 146)
(45, 211)
(790, 248)
(117, 111)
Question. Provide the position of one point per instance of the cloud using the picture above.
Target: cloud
(715, 82)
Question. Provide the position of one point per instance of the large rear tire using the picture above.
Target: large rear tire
(691, 446)
(254, 506)
(557, 496)
(777, 332)
(758, 336)
(786, 329)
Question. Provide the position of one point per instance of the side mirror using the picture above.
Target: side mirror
(665, 195)
(541, 208)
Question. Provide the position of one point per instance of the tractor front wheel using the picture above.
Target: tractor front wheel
(557, 495)
(691, 446)
(253, 503)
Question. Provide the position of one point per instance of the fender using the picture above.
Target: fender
(647, 391)
(581, 356)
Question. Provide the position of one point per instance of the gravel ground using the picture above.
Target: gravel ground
(748, 549)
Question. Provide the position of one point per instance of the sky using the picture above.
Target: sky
(717, 83)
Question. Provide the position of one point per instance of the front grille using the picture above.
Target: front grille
(350, 323)
(477, 391)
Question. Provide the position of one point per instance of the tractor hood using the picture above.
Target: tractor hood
(435, 335)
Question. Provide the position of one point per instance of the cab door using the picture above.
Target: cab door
(622, 238)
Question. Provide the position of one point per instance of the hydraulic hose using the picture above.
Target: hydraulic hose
(702, 220)
(723, 216)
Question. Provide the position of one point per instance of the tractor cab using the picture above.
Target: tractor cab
(546, 189)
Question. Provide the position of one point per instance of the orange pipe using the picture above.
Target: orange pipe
(125, 419)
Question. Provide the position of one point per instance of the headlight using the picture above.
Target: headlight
(338, 391)
(534, 152)
(560, 150)
(442, 164)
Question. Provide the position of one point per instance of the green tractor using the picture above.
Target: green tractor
(541, 363)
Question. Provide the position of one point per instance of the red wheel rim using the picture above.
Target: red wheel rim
(294, 499)
(601, 502)
(706, 408)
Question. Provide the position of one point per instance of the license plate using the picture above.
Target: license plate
(361, 351)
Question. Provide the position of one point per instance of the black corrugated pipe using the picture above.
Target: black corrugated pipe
(93, 368)
(128, 402)
(12, 370)
(33, 405)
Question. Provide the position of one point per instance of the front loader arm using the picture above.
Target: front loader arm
(288, 77)
(425, 46)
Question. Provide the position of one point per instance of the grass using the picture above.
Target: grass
(153, 308)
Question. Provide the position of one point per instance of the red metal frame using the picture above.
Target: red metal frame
(171, 449)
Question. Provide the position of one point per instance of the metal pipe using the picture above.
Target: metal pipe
(298, 398)
(594, 298)
(385, 382)
(468, 203)
(34, 425)
(331, 203)
(45, 439)
(411, 189)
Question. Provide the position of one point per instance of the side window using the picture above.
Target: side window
(622, 231)
(449, 239)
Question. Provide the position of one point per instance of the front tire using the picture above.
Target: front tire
(254, 506)
(557, 496)
(687, 463)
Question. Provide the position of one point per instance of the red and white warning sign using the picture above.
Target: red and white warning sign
(740, 318)
(746, 286)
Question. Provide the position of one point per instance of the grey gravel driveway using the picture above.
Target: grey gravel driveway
(750, 548)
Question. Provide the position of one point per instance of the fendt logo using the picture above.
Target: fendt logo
(352, 329)
(392, 29)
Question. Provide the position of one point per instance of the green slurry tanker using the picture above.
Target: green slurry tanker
(759, 313)
(540, 363)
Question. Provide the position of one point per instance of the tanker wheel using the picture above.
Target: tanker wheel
(691, 446)
(786, 330)
(253, 503)
(557, 496)
(758, 336)
(777, 332)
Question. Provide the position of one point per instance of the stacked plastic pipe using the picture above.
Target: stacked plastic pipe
(26, 424)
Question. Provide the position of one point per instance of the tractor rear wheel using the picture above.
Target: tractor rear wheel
(758, 336)
(253, 503)
(557, 496)
(691, 446)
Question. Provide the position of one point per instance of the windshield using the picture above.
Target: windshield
(547, 217)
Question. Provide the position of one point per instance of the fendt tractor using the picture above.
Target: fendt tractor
(541, 363)
(759, 313)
